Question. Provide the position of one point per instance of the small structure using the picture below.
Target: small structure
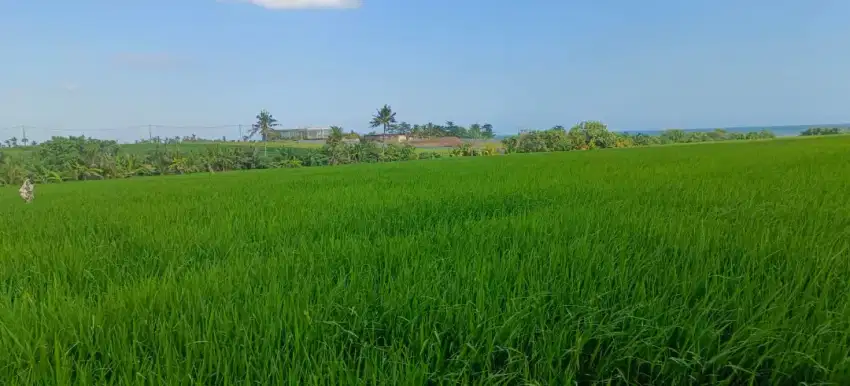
(386, 137)
(305, 133)
(437, 142)
(27, 191)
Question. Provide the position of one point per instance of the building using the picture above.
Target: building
(386, 137)
(305, 133)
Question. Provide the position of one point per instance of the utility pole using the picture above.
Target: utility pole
(150, 133)
(240, 134)
(24, 135)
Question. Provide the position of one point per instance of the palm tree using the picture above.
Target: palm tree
(384, 117)
(487, 131)
(14, 141)
(336, 135)
(24, 141)
(265, 125)
(474, 131)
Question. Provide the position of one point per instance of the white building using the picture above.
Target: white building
(312, 132)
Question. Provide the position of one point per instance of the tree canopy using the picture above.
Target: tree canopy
(384, 117)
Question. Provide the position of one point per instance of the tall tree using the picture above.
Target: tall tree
(474, 131)
(335, 149)
(265, 125)
(455, 130)
(432, 130)
(335, 136)
(402, 128)
(384, 117)
(487, 131)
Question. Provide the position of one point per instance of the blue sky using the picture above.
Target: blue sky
(110, 68)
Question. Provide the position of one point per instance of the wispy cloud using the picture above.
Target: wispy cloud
(70, 86)
(149, 60)
(302, 4)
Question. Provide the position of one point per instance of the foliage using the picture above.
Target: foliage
(595, 135)
(812, 131)
(384, 117)
(79, 158)
(449, 129)
(641, 267)
(467, 150)
(265, 126)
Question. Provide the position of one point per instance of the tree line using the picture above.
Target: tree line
(15, 142)
(595, 135)
(385, 118)
(79, 158)
(813, 131)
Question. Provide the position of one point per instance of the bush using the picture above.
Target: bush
(595, 135)
(824, 131)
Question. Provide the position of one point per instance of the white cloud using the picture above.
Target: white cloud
(301, 4)
(70, 86)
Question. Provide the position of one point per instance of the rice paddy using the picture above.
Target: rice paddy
(726, 263)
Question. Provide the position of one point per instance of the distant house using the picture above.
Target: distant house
(305, 133)
(386, 137)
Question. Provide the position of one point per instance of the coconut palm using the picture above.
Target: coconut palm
(265, 126)
(384, 117)
(336, 135)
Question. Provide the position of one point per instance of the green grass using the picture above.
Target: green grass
(144, 148)
(722, 264)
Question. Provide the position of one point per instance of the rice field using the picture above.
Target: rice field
(726, 263)
(144, 148)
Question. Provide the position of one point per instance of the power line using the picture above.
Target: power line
(127, 128)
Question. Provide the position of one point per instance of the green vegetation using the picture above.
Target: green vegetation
(144, 147)
(722, 264)
(77, 158)
(449, 129)
(825, 131)
(265, 125)
(595, 135)
(384, 118)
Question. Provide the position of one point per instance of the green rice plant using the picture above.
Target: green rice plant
(719, 264)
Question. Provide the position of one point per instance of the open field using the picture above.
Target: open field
(725, 264)
(142, 148)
